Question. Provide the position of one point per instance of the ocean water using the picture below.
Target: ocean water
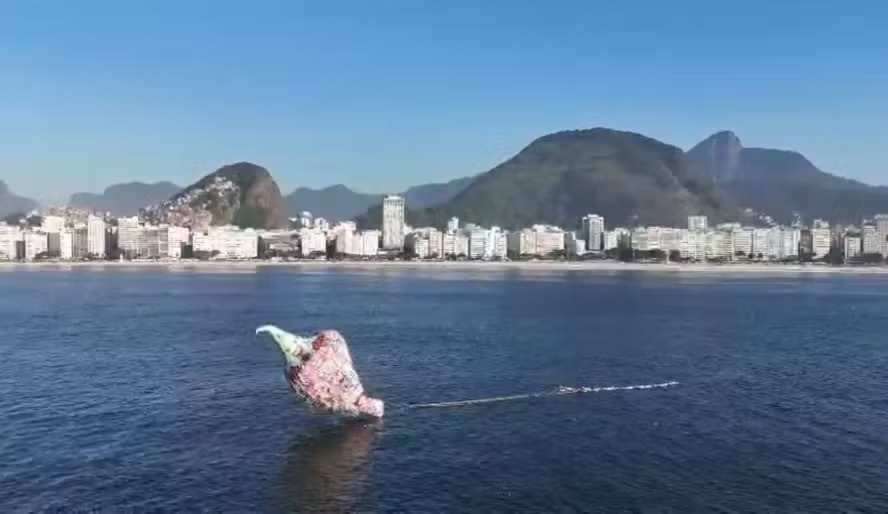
(147, 390)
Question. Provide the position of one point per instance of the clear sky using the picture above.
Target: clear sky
(388, 93)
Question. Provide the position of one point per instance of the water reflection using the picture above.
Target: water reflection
(327, 469)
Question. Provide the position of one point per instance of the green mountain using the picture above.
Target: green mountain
(14, 204)
(242, 194)
(125, 199)
(625, 177)
(784, 183)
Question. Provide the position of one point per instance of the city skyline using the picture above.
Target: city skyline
(108, 92)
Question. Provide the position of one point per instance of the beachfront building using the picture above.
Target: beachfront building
(393, 222)
(853, 247)
(66, 244)
(80, 242)
(312, 242)
(10, 235)
(96, 229)
(719, 245)
(425, 243)
(821, 239)
(573, 245)
(613, 237)
(454, 244)
(743, 240)
(870, 239)
(881, 223)
(536, 241)
(593, 232)
(129, 234)
(171, 240)
(792, 238)
(453, 224)
(36, 243)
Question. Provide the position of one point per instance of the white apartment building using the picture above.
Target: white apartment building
(692, 245)
(760, 241)
(129, 235)
(791, 239)
(539, 241)
(881, 221)
(454, 244)
(96, 229)
(853, 247)
(719, 244)
(393, 222)
(612, 237)
(35, 244)
(698, 223)
(453, 224)
(743, 239)
(170, 240)
(66, 244)
(870, 239)
(821, 241)
(574, 245)
(593, 231)
(80, 242)
(10, 235)
(369, 243)
(312, 241)
(52, 224)
(479, 243)
(418, 244)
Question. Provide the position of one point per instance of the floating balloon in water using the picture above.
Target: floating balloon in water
(320, 371)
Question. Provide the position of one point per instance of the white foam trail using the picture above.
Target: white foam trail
(560, 390)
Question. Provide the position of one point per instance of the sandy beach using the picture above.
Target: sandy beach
(445, 266)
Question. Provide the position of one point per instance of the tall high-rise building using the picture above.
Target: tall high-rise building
(129, 234)
(882, 232)
(853, 247)
(453, 224)
(821, 239)
(393, 222)
(593, 229)
(95, 227)
(870, 239)
(698, 223)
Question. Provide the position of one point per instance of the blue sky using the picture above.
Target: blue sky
(388, 93)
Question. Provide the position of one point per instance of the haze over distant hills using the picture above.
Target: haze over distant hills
(125, 199)
(11, 203)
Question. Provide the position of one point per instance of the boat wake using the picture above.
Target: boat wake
(558, 391)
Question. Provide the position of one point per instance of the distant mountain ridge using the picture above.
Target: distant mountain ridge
(338, 202)
(125, 199)
(11, 203)
(784, 183)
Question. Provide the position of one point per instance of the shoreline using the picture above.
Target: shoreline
(586, 266)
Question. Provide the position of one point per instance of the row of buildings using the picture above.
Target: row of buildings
(97, 237)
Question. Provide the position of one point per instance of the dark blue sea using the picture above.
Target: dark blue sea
(138, 390)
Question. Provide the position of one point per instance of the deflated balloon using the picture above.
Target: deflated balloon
(319, 370)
